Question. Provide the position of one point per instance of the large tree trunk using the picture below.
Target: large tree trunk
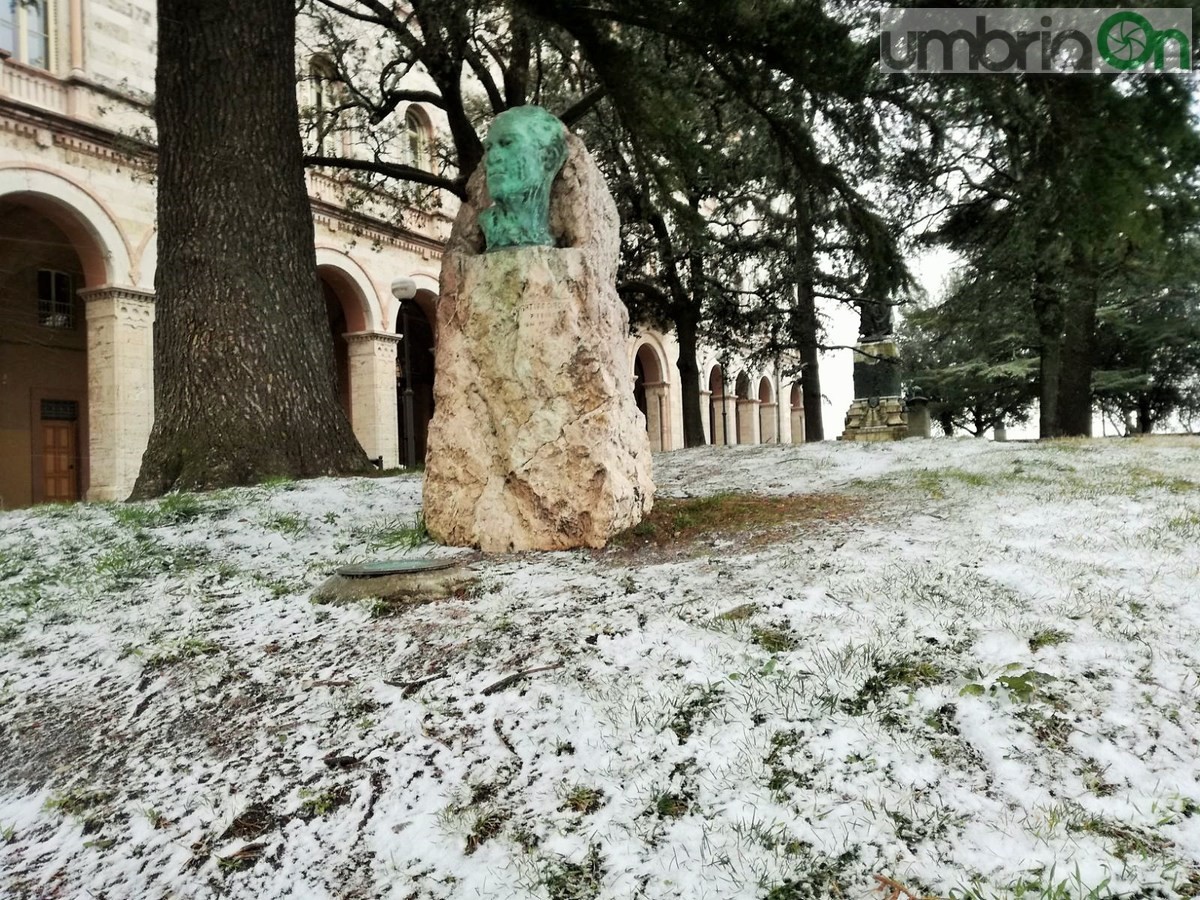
(808, 326)
(1048, 309)
(243, 361)
(689, 378)
(1145, 417)
(1075, 379)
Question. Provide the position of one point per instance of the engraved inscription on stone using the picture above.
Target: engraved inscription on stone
(540, 315)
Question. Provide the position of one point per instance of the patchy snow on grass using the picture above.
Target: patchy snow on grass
(982, 682)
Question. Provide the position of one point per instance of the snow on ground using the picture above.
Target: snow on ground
(984, 683)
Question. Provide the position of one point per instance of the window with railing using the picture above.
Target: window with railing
(56, 299)
(25, 32)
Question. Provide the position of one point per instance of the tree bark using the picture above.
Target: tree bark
(1145, 417)
(808, 326)
(689, 378)
(1078, 351)
(1048, 309)
(243, 361)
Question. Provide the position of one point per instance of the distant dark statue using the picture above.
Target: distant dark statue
(875, 321)
(524, 151)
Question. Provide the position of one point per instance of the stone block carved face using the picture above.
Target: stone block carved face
(524, 150)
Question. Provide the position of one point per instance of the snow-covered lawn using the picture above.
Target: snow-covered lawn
(984, 681)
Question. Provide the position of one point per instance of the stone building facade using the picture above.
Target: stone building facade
(78, 258)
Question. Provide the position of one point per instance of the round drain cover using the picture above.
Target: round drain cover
(380, 568)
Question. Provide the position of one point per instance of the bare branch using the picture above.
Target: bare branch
(412, 174)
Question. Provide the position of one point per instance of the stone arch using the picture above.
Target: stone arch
(426, 298)
(53, 256)
(745, 415)
(652, 394)
(766, 390)
(797, 413)
(103, 248)
(354, 288)
(415, 363)
(718, 408)
(144, 265)
(349, 309)
(768, 426)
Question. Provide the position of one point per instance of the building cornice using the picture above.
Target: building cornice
(141, 103)
(338, 218)
(44, 126)
(76, 135)
(119, 293)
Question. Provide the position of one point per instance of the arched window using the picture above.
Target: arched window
(416, 139)
(325, 87)
(25, 31)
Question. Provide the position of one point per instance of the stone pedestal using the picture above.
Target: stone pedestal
(120, 359)
(918, 417)
(536, 443)
(878, 412)
(373, 394)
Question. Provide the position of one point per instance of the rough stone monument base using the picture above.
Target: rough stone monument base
(537, 444)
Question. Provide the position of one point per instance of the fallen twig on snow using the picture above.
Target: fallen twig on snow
(510, 680)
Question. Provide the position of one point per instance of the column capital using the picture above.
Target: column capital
(379, 344)
(122, 293)
(363, 337)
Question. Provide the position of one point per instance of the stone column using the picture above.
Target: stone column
(717, 406)
(705, 416)
(767, 426)
(120, 363)
(747, 421)
(729, 414)
(657, 416)
(373, 394)
(797, 424)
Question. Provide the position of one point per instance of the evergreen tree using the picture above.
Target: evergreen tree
(972, 360)
(1054, 179)
(243, 367)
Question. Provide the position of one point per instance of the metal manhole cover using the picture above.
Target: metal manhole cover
(380, 568)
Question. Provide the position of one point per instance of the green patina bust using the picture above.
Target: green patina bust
(524, 151)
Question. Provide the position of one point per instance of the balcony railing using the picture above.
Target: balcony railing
(32, 86)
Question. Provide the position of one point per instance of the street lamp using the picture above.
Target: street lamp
(405, 289)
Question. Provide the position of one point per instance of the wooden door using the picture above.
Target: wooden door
(61, 481)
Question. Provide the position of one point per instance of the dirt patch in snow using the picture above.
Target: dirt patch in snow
(684, 527)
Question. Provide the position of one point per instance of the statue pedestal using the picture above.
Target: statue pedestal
(887, 420)
(536, 441)
(878, 412)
